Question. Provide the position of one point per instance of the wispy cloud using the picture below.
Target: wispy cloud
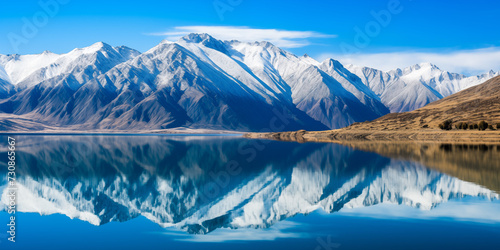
(463, 61)
(280, 38)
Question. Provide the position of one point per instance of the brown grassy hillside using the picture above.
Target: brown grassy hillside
(472, 105)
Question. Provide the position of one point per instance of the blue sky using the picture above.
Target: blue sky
(460, 35)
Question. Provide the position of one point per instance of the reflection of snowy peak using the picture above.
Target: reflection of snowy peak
(170, 184)
(273, 199)
(413, 185)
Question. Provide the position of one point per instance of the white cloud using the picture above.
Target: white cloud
(464, 61)
(280, 38)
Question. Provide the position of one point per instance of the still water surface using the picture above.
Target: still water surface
(227, 192)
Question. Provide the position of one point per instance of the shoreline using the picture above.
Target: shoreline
(343, 136)
(339, 136)
(193, 132)
(121, 134)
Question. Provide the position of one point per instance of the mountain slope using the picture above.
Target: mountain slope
(189, 91)
(6, 87)
(322, 94)
(271, 71)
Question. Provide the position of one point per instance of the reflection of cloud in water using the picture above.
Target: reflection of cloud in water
(480, 211)
(284, 229)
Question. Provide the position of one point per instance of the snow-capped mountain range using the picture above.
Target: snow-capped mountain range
(174, 182)
(202, 82)
(407, 89)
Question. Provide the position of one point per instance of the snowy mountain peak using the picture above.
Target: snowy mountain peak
(92, 49)
(204, 39)
(334, 64)
(127, 52)
(420, 66)
(427, 65)
(268, 45)
(197, 37)
(100, 45)
(96, 47)
(310, 60)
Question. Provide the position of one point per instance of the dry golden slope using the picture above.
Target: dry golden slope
(473, 105)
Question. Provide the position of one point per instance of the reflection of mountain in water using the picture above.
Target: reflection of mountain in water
(474, 163)
(201, 184)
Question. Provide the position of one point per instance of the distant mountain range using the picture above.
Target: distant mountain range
(202, 82)
(403, 90)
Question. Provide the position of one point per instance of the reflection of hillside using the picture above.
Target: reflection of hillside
(475, 163)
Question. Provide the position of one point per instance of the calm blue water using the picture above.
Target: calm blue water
(227, 192)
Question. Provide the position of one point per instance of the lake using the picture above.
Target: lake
(228, 192)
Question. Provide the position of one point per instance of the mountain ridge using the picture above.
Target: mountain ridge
(198, 82)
